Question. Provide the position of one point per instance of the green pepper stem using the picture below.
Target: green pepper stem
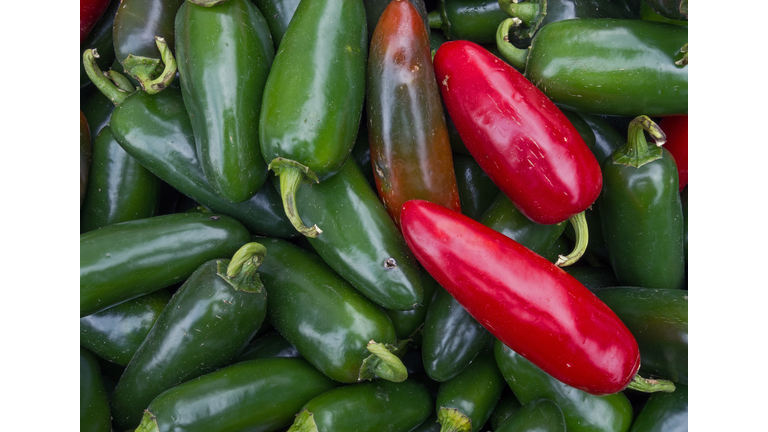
(104, 84)
(158, 84)
(647, 385)
(637, 152)
(148, 423)
(683, 61)
(453, 420)
(305, 422)
(292, 174)
(513, 55)
(383, 363)
(527, 12)
(581, 231)
(121, 81)
(435, 19)
(241, 271)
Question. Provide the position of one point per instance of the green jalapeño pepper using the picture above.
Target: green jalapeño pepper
(620, 67)
(208, 322)
(476, 190)
(334, 327)
(130, 259)
(94, 406)
(641, 212)
(410, 150)
(268, 346)
(85, 156)
(278, 14)
(664, 412)
(256, 395)
(313, 98)
(541, 415)
(224, 53)
(671, 9)
(472, 20)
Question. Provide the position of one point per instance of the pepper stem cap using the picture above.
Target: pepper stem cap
(305, 422)
(148, 423)
(241, 270)
(531, 13)
(648, 385)
(383, 363)
(517, 57)
(637, 152)
(453, 420)
(581, 230)
(292, 174)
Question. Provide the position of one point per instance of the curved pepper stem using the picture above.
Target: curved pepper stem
(637, 152)
(241, 271)
(305, 422)
(120, 80)
(149, 72)
(435, 20)
(683, 61)
(531, 13)
(148, 423)
(581, 230)
(452, 420)
(515, 56)
(292, 174)
(382, 363)
(647, 385)
(104, 84)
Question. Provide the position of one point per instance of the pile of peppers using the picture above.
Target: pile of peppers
(384, 215)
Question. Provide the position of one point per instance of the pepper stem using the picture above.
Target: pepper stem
(104, 84)
(241, 271)
(292, 174)
(683, 61)
(648, 385)
(148, 423)
(517, 57)
(434, 19)
(453, 420)
(581, 230)
(120, 80)
(382, 362)
(147, 71)
(305, 422)
(637, 152)
(527, 11)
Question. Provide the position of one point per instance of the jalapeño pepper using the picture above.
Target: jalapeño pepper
(472, 20)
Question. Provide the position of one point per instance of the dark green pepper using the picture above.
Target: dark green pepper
(684, 202)
(671, 9)
(593, 277)
(658, 319)
(507, 405)
(369, 407)
(476, 190)
(256, 395)
(583, 412)
(607, 138)
(330, 323)
(97, 109)
(119, 188)
(208, 322)
(540, 415)
(127, 260)
(116, 333)
(451, 337)
(85, 156)
(648, 14)
(408, 324)
(641, 212)
(465, 402)
(664, 412)
(472, 20)
(278, 14)
(268, 346)
(430, 424)
(224, 53)
(94, 406)
(314, 97)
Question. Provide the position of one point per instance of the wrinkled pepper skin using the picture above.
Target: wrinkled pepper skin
(451, 337)
(278, 14)
(85, 156)
(476, 190)
(257, 395)
(611, 66)
(314, 93)
(138, 22)
(540, 415)
(583, 343)
(130, 259)
(676, 129)
(359, 240)
(94, 406)
(582, 411)
(205, 325)
(410, 150)
(472, 20)
(322, 315)
(119, 188)
(659, 321)
(224, 53)
(156, 130)
(664, 412)
(522, 141)
(369, 407)
(116, 333)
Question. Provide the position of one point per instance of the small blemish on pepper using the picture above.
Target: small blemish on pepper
(390, 263)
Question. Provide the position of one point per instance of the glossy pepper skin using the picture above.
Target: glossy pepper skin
(672, 9)
(667, 412)
(540, 415)
(256, 395)
(472, 20)
(641, 212)
(90, 12)
(116, 333)
(119, 188)
(659, 321)
(583, 343)
(409, 324)
(156, 130)
(269, 345)
(224, 53)
(85, 156)
(322, 315)
(314, 95)
(278, 14)
(410, 150)
(130, 259)
(522, 141)
(369, 407)
(94, 406)
(476, 190)
(208, 322)
(582, 411)
(676, 130)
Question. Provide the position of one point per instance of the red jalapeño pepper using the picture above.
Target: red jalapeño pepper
(519, 137)
(410, 150)
(676, 130)
(90, 12)
(528, 303)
